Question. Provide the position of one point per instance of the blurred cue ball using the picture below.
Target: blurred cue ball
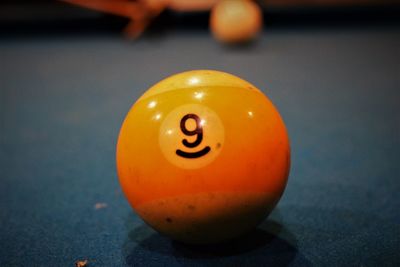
(235, 21)
(203, 156)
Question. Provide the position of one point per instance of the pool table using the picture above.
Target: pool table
(64, 94)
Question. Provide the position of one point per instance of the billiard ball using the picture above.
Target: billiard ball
(203, 156)
(235, 21)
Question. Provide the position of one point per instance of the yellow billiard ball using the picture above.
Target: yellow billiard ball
(203, 156)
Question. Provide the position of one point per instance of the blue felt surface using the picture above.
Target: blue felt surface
(63, 99)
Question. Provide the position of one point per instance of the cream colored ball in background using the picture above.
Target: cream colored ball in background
(236, 21)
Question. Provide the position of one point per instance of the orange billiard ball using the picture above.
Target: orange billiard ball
(203, 156)
(236, 21)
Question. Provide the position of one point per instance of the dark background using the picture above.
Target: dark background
(68, 78)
